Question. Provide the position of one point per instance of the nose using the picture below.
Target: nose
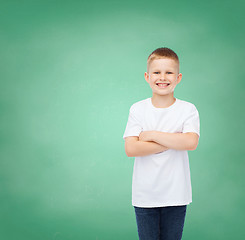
(162, 76)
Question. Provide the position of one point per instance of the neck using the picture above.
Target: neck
(164, 101)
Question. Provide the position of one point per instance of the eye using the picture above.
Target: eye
(156, 72)
(169, 72)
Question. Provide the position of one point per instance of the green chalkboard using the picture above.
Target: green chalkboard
(70, 70)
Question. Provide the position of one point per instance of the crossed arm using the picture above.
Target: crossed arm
(150, 142)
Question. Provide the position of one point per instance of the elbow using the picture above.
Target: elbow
(130, 145)
(193, 139)
(193, 146)
(129, 155)
(128, 152)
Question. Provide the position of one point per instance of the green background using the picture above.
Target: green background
(70, 70)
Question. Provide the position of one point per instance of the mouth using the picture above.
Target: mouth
(162, 85)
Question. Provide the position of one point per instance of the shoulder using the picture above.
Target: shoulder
(187, 105)
(140, 105)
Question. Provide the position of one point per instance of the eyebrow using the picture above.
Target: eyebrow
(169, 70)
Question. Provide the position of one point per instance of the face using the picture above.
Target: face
(163, 76)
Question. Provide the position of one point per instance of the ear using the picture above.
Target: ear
(147, 77)
(179, 78)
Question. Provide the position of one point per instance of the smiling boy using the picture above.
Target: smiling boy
(159, 132)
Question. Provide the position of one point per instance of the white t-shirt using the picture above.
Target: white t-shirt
(162, 179)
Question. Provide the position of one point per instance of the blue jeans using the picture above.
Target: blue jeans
(160, 223)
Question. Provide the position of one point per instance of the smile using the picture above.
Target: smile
(162, 85)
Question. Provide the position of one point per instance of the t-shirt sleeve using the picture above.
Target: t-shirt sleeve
(134, 125)
(192, 122)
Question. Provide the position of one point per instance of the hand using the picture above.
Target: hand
(146, 136)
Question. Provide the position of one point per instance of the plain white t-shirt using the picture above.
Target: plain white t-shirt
(162, 179)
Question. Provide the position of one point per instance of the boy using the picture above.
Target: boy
(159, 132)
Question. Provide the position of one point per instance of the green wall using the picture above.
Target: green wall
(69, 73)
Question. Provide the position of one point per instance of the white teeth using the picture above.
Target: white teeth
(162, 85)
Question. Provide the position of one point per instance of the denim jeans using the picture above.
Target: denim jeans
(160, 223)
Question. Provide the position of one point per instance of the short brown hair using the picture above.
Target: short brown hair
(162, 52)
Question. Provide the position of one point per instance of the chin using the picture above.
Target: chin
(163, 94)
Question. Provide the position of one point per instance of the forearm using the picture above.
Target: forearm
(177, 141)
(142, 148)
